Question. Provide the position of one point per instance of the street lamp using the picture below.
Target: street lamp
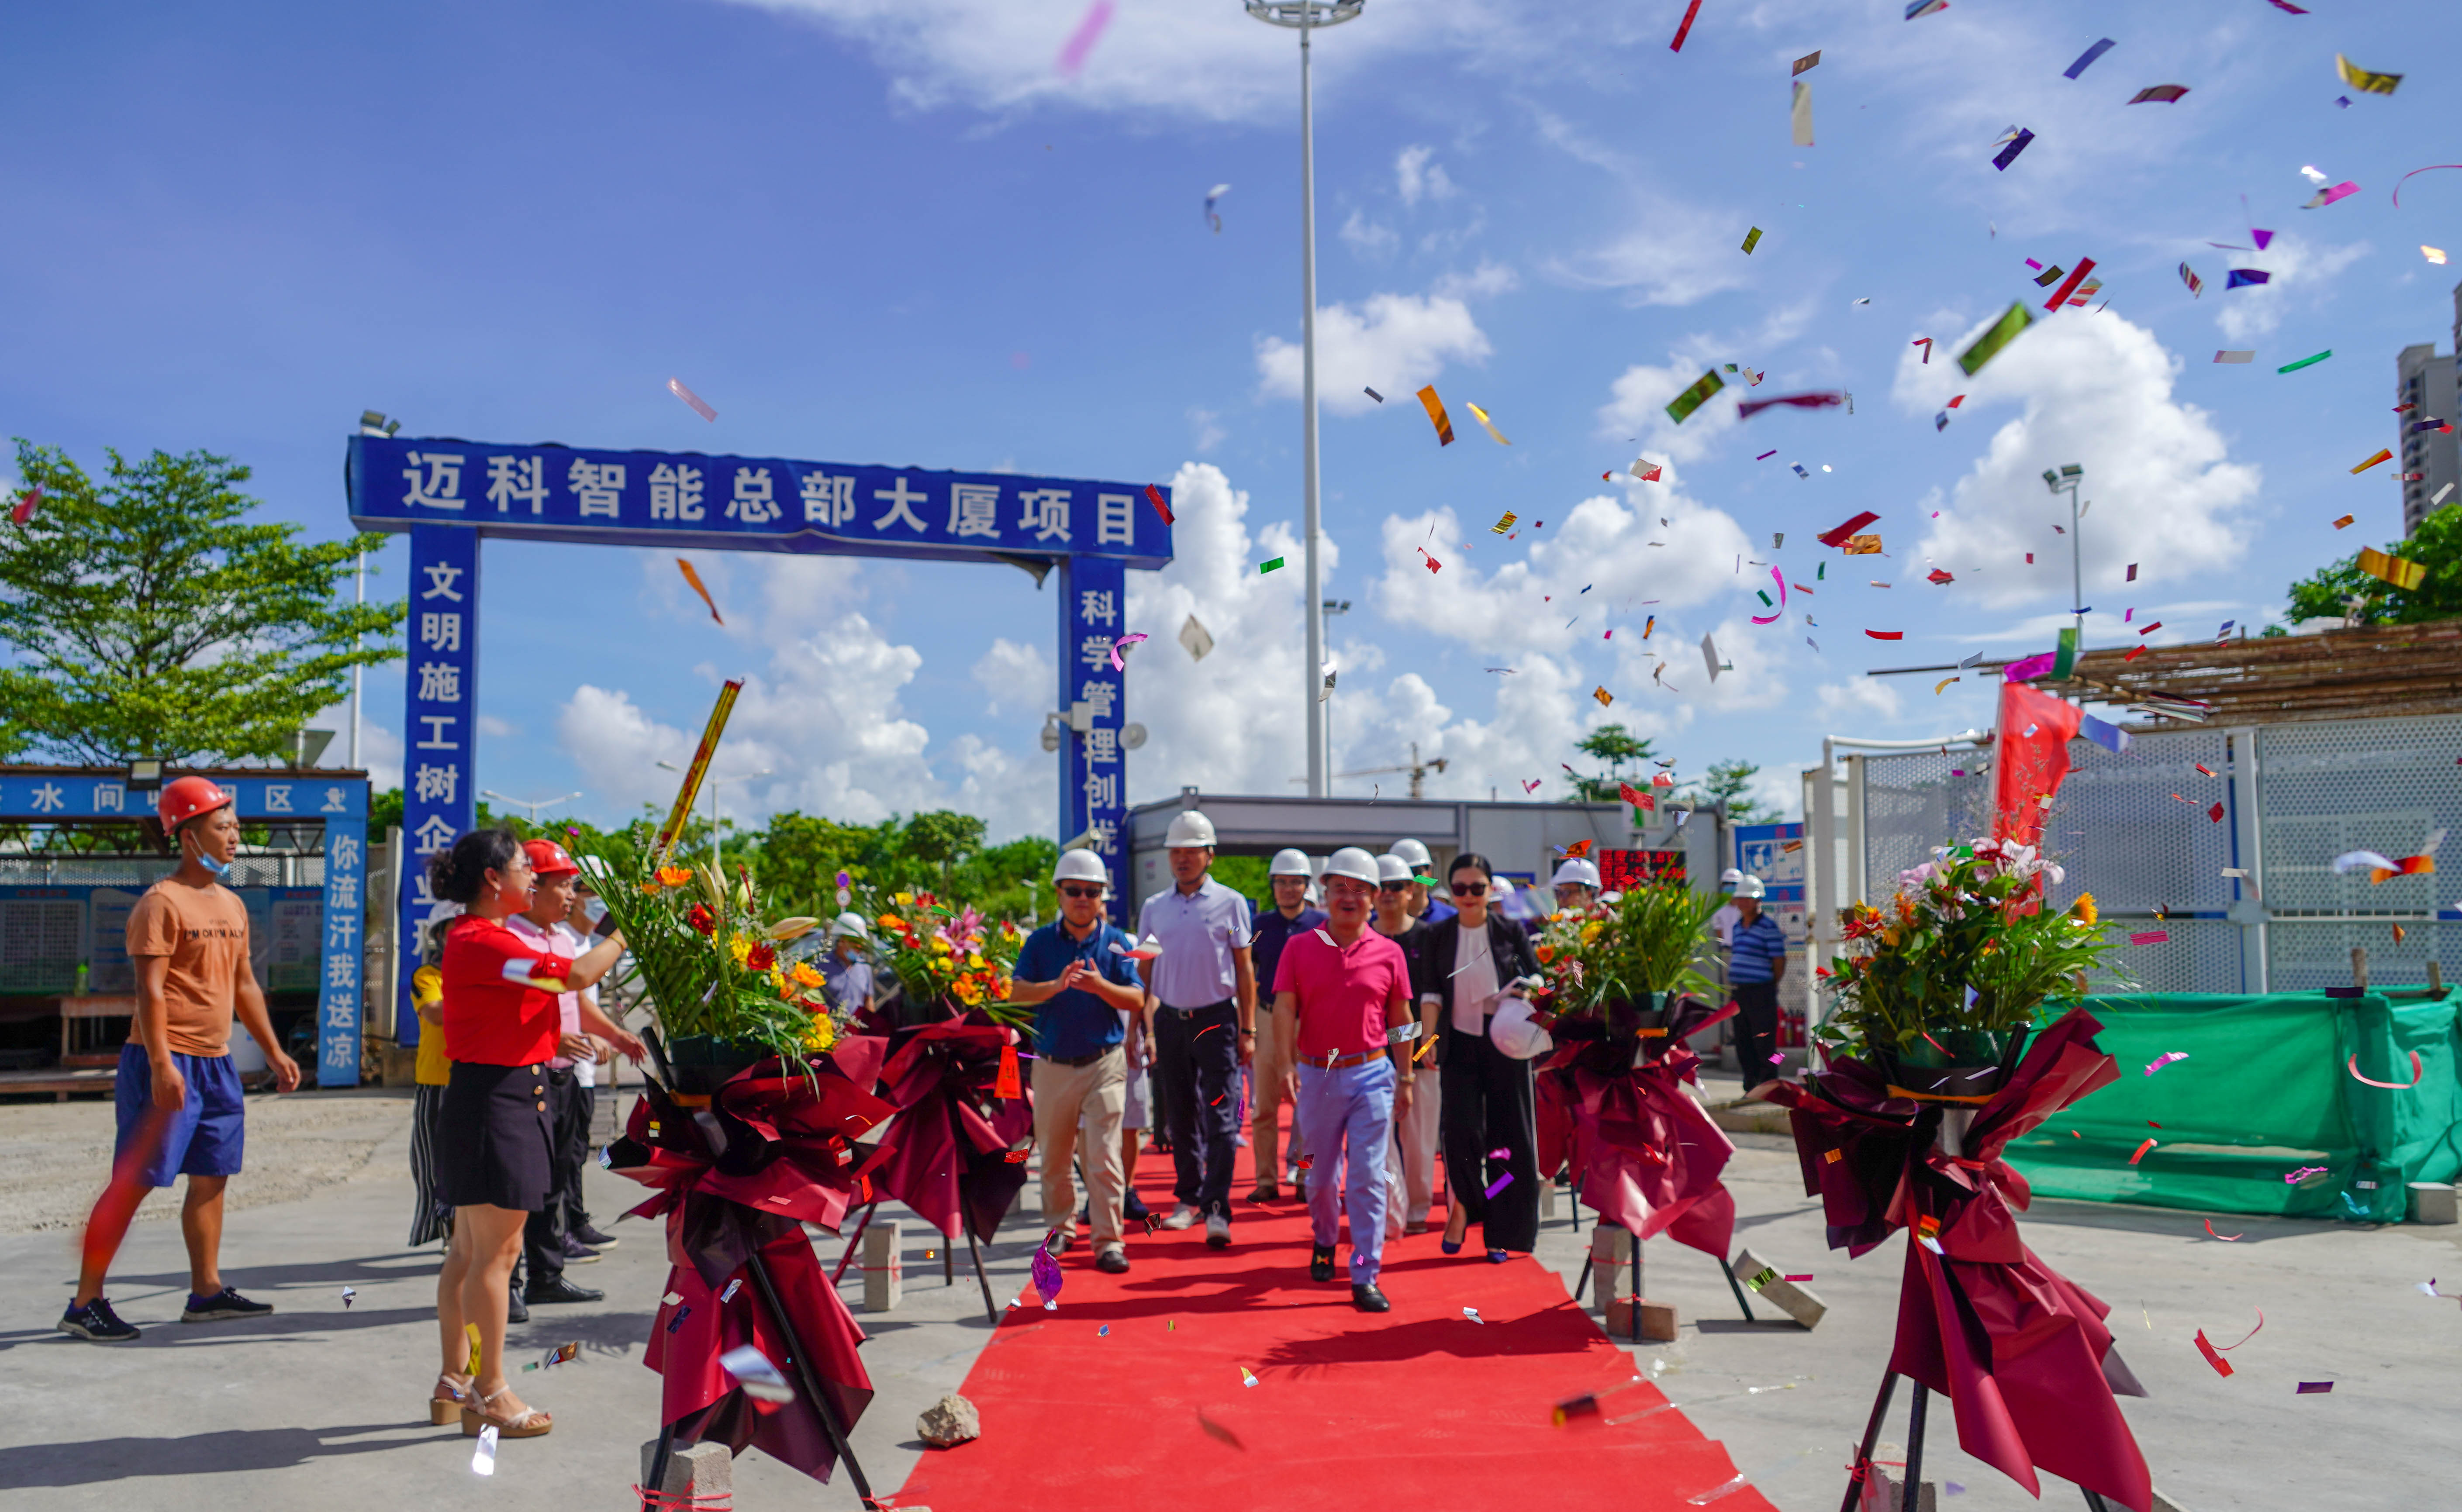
(1306, 16)
(718, 859)
(533, 804)
(2067, 476)
(1330, 607)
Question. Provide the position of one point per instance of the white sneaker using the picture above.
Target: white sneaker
(1218, 1232)
(1181, 1217)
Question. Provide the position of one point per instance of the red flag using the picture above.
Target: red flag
(2034, 738)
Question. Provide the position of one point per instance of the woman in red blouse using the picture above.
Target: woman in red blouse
(492, 1139)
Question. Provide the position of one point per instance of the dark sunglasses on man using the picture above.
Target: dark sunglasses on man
(1469, 889)
(1393, 886)
(1066, 891)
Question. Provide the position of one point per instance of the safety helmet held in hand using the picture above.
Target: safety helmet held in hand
(1577, 872)
(1189, 828)
(1354, 864)
(1290, 862)
(186, 797)
(1080, 866)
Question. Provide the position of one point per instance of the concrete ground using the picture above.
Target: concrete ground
(320, 1406)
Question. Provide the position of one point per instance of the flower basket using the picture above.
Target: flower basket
(952, 959)
(1956, 1063)
(699, 1064)
(1617, 959)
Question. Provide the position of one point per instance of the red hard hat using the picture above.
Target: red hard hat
(548, 859)
(186, 797)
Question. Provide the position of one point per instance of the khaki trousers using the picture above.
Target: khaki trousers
(1265, 1108)
(1063, 1096)
(1411, 1163)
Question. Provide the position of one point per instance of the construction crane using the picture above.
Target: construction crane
(1417, 769)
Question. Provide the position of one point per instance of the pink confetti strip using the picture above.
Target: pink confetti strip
(2151, 937)
(1081, 42)
(676, 387)
(2163, 1060)
(1117, 665)
(2416, 1072)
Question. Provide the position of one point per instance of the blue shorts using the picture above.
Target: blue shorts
(208, 1133)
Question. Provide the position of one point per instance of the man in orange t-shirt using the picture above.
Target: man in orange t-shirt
(180, 1101)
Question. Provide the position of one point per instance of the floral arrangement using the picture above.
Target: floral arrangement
(1964, 948)
(1647, 940)
(708, 960)
(944, 955)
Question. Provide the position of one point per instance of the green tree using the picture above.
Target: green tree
(1728, 782)
(1617, 746)
(2328, 594)
(150, 619)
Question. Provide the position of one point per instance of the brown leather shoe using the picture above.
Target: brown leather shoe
(1266, 1192)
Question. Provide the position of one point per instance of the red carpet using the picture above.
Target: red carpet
(1419, 1408)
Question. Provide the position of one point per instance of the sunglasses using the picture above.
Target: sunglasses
(1469, 889)
(1081, 892)
(1393, 886)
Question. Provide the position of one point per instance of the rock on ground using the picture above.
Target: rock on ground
(948, 1422)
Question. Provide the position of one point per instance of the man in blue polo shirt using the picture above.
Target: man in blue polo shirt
(1271, 929)
(1077, 972)
(1756, 961)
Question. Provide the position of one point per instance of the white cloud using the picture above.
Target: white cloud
(1865, 698)
(1372, 240)
(2096, 389)
(2301, 269)
(1016, 677)
(1487, 280)
(1415, 174)
(1394, 343)
(379, 747)
(1669, 253)
(1208, 428)
(497, 729)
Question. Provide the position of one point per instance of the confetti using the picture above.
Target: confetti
(1485, 424)
(1685, 28)
(676, 387)
(1435, 408)
(1737, 1483)
(1602, 695)
(2345, 522)
(2087, 58)
(1504, 524)
(2402, 574)
(1212, 197)
(2325, 197)
(2151, 937)
(2416, 1072)
(1925, 342)
(348, 1295)
(1801, 401)
(23, 509)
(2189, 276)
(2163, 1060)
(2246, 277)
(694, 578)
(1195, 639)
(1943, 683)
(2214, 1352)
(1506, 1180)
(1245, 1378)
(1263, 568)
(1373, 394)
(1131, 639)
(2160, 94)
(1752, 239)
(2434, 254)
(1154, 496)
(1800, 114)
(1922, 8)
(1081, 42)
(2313, 1388)
(1766, 455)
(2061, 295)
(482, 1460)
(2236, 356)
(2003, 331)
(2009, 154)
(1472, 1313)
(677, 1321)
(732, 1287)
(2305, 362)
(2141, 1152)
(1891, 635)
(759, 1379)
(1693, 398)
(2225, 1238)
(2360, 78)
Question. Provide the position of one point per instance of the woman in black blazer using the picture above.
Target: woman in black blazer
(1463, 964)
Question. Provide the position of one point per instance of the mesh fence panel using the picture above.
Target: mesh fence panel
(2133, 827)
(1914, 801)
(2202, 955)
(2305, 955)
(2361, 784)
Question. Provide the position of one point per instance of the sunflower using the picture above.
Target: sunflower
(2084, 911)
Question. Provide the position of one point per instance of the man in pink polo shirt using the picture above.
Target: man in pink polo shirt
(1342, 1001)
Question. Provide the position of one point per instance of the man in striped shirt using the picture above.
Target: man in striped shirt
(1756, 961)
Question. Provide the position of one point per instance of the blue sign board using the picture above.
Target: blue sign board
(105, 795)
(1775, 854)
(438, 792)
(1093, 776)
(746, 503)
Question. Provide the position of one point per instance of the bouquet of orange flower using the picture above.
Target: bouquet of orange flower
(1644, 942)
(709, 962)
(944, 955)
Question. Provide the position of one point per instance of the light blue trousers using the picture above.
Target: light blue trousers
(1346, 1116)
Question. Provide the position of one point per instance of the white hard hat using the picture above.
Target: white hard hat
(1189, 828)
(1391, 867)
(1416, 854)
(1500, 889)
(1749, 888)
(1290, 862)
(850, 922)
(1354, 864)
(1730, 877)
(1080, 866)
(1577, 872)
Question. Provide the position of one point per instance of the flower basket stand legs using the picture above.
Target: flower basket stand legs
(1585, 1280)
(1861, 1469)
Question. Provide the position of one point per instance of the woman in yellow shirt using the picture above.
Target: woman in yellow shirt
(429, 1219)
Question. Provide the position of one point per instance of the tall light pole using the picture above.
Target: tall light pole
(1331, 608)
(1306, 15)
(2067, 477)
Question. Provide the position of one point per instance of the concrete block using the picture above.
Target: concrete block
(1791, 1297)
(2160, 1504)
(1657, 1320)
(1883, 1492)
(706, 1470)
(1615, 1265)
(2431, 1202)
(884, 1266)
(1546, 1200)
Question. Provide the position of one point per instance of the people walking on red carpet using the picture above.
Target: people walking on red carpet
(1491, 1144)
(1076, 972)
(494, 1139)
(1412, 1161)
(180, 1105)
(1341, 1009)
(1202, 1003)
(1288, 876)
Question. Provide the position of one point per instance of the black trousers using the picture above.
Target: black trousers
(1196, 1074)
(543, 1234)
(1755, 1031)
(1489, 1106)
(573, 1153)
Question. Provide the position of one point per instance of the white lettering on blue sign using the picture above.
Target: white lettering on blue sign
(829, 499)
(755, 501)
(517, 480)
(902, 502)
(675, 492)
(435, 480)
(597, 487)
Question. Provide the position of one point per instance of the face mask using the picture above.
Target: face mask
(595, 909)
(220, 868)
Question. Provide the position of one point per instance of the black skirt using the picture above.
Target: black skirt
(493, 1142)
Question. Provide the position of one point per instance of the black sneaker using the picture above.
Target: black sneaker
(1368, 1299)
(1321, 1264)
(516, 1311)
(1132, 1209)
(95, 1321)
(556, 1289)
(577, 1253)
(589, 1234)
(223, 1304)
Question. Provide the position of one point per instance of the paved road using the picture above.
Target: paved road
(319, 1408)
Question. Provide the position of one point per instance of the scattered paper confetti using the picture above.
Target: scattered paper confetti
(1801, 401)
(1752, 239)
(2434, 254)
(694, 578)
(1373, 394)
(1214, 196)
(2163, 1060)
(1081, 42)
(1435, 408)
(2189, 276)
(1117, 665)
(1194, 639)
(2160, 94)
(482, 1460)
(2225, 1238)
(2325, 197)
(1481, 415)
(2313, 1388)
(676, 387)
(1602, 695)
(2009, 154)
(2087, 58)
(1154, 496)
(2236, 356)
(23, 509)
(752, 1370)
(1263, 568)
(2305, 362)
(1693, 398)
(1800, 114)
(2141, 1152)
(2416, 1073)
(2402, 574)
(1685, 28)
(2003, 331)
(2151, 937)
(1472, 1313)
(2360, 78)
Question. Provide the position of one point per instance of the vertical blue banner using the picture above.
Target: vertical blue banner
(1093, 776)
(338, 972)
(440, 790)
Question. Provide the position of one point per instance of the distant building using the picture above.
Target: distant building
(2431, 459)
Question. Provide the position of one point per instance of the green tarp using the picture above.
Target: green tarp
(2265, 1090)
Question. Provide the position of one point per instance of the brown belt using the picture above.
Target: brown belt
(1338, 1062)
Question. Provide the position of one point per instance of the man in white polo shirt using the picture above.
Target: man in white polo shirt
(1201, 996)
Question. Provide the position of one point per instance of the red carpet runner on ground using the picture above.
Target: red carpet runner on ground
(1419, 1408)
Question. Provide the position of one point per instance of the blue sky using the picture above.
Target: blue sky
(897, 233)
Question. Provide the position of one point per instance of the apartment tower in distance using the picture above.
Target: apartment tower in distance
(2431, 459)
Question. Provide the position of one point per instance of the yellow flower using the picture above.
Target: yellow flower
(1590, 932)
(905, 900)
(821, 1033)
(2082, 910)
(806, 976)
(738, 948)
(939, 946)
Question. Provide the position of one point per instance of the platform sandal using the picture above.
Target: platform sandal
(444, 1404)
(528, 1423)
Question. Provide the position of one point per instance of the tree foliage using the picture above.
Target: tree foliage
(1617, 747)
(2327, 593)
(151, 619)
(1729, 782)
